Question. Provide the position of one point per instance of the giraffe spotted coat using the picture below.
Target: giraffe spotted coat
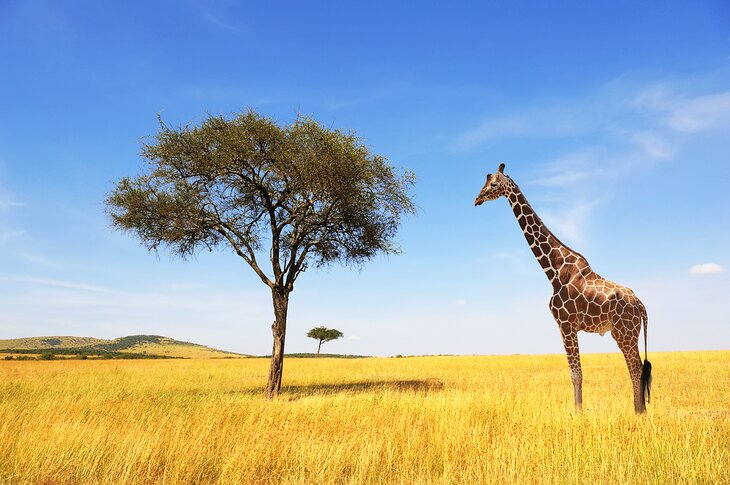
(582, 299)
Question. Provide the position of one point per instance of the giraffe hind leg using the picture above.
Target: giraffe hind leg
(630, 348)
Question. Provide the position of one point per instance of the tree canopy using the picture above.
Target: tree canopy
(298, 195)
(314, 194)
(324, 334)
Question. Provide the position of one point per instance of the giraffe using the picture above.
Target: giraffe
(582, 300)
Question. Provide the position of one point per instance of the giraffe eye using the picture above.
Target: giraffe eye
(493, 184)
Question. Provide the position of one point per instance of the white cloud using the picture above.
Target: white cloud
(648, 115)
(561, 178)
(586, 177)
(573, 177)
(576, 167)
(552, 120)
(638, 126)
(38, 260)
(354, 337)
(7, 203)
(653, 144)
(55, 283)
(516, 259)
(701, 113)
(222, 24)
(571, 222)
(217, 14)
(460, 302)
(686, 114)
(491, 129)
(7, 200)
(706, 268)
(6, 235)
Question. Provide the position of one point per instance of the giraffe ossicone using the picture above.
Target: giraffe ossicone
(582, 299)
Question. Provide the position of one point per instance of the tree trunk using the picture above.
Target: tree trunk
(319, 347)
(278, 329)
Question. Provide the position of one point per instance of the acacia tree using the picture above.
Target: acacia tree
(324, 334)
(297, 195)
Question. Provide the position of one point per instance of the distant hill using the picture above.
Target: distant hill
(133, 346)
(50, 342)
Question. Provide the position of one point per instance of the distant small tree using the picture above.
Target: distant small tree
(324, 334)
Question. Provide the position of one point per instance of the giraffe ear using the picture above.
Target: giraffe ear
(501, 168)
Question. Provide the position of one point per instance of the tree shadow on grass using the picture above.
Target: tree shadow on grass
(422, 385)
(294, 392)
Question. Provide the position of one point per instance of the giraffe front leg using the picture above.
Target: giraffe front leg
(570, 341)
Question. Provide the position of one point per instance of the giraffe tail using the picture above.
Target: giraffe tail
(646, 368)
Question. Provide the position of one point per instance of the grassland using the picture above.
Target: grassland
(505, 419)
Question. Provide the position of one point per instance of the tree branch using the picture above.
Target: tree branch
(250, 258)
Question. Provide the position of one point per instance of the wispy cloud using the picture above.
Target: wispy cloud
(216, 13)
(551, 120)
(706, 268)
(616, 129)
(571, 222)
(568, 195)
(212, 19)
(653, 144)
(6, 203)
(572, 168)
(513, 258)
(6, 235)
(56, 283)
(492, 129)
(647, 115)
(7, 200)
(38, 260)
(687, 114)
(356, 96)
(460, 302)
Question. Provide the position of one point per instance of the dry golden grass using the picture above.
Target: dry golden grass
(470, 420)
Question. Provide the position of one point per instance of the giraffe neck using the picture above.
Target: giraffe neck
(548, 250)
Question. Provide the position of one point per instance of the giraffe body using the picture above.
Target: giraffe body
(582, 299)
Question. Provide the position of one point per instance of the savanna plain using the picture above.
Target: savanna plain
(481, 419)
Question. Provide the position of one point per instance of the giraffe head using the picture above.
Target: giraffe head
(494, 187)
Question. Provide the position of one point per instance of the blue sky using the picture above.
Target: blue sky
(612, 118)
